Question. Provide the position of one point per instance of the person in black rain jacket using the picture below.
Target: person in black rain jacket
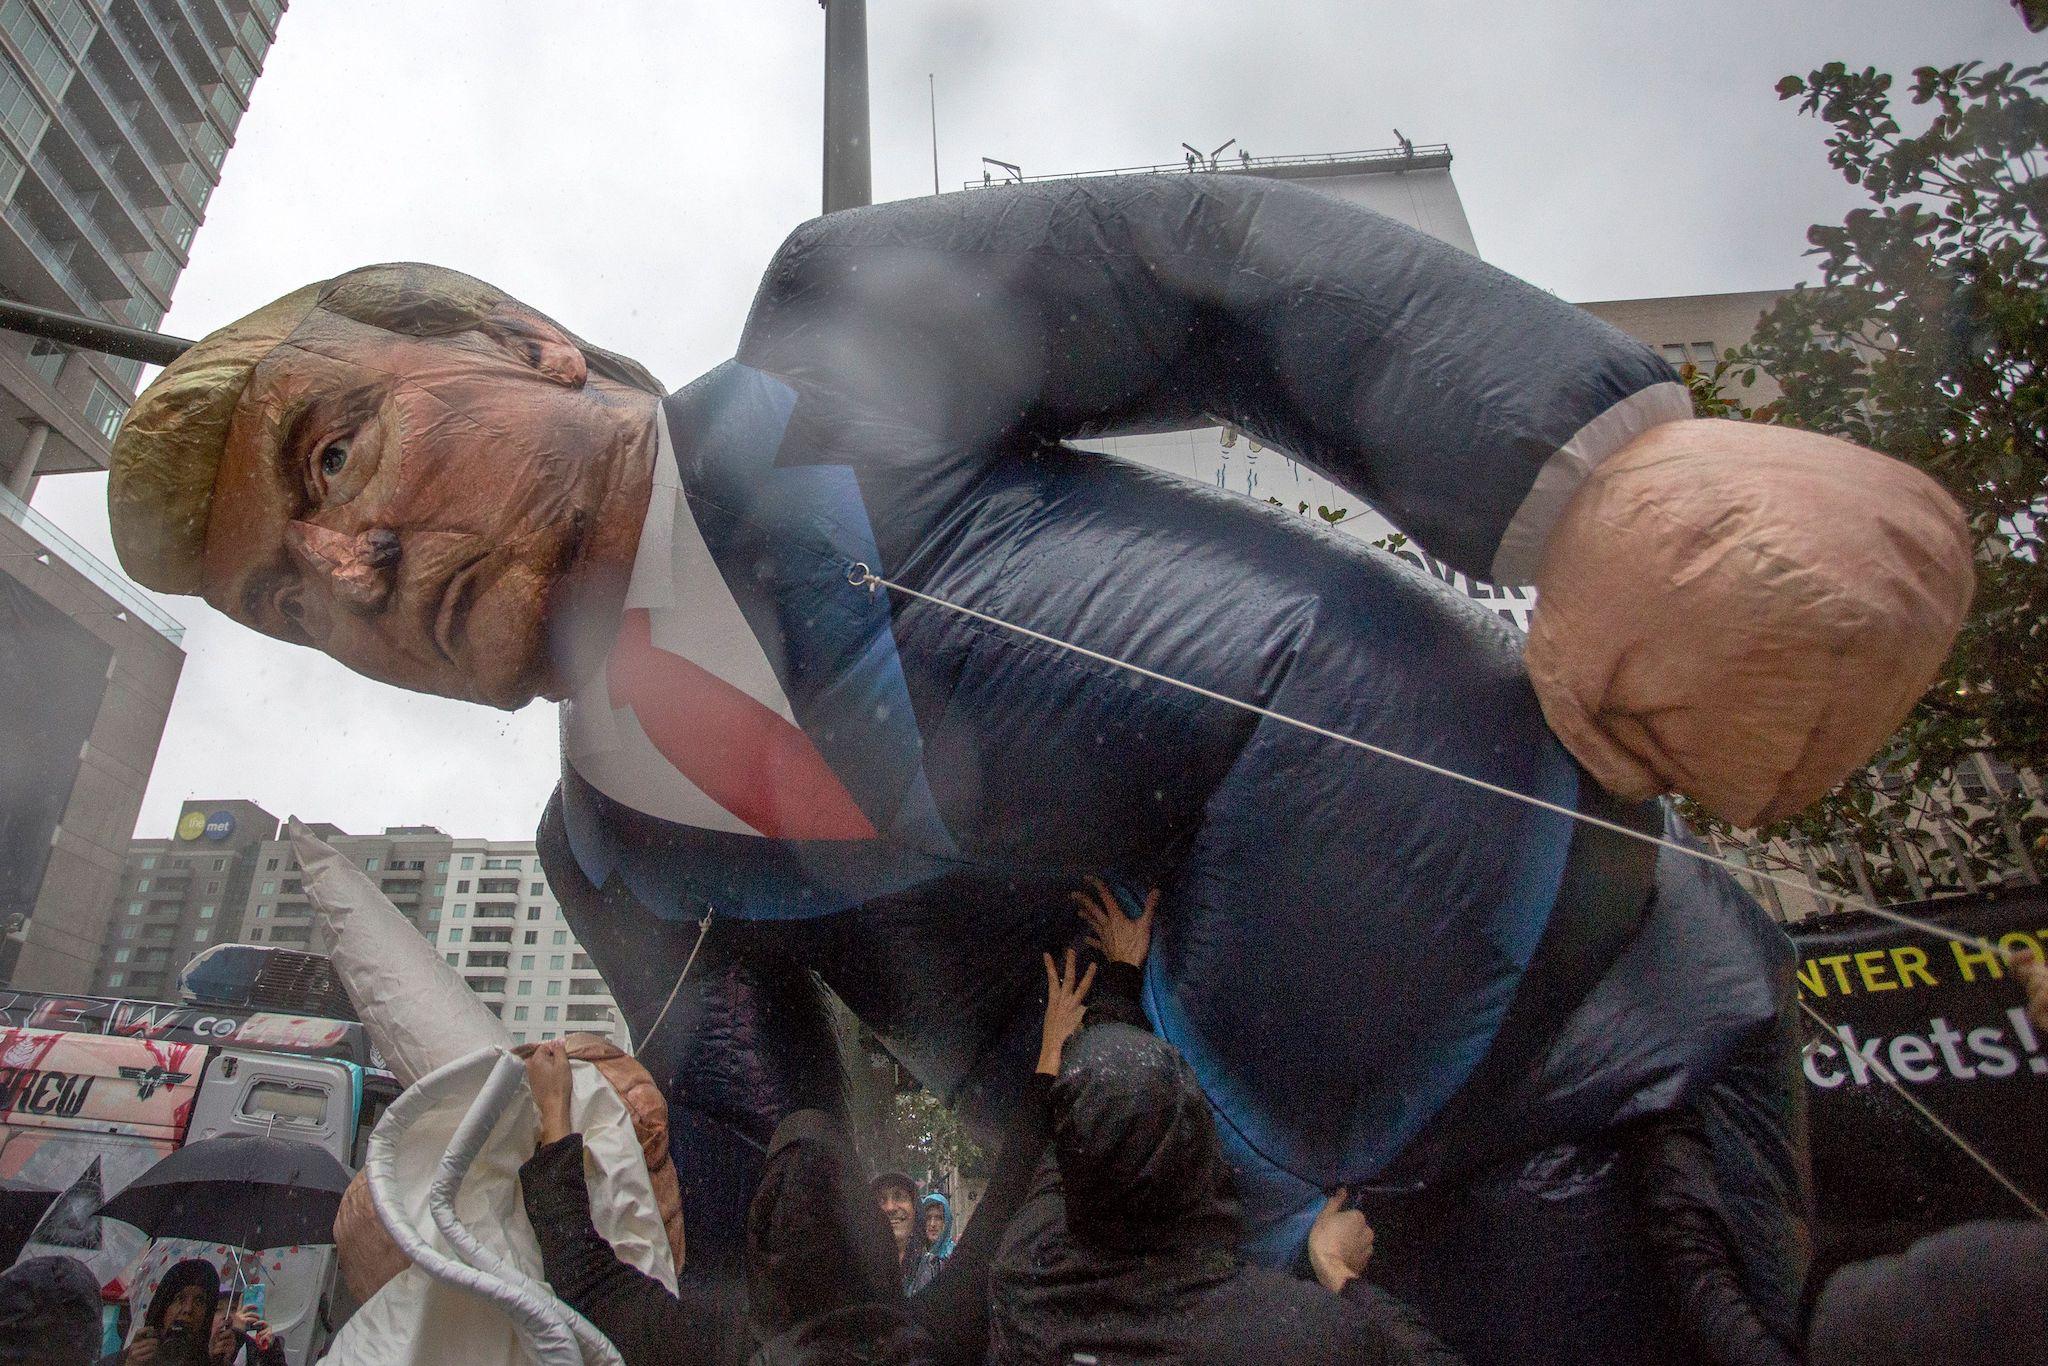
(1125, 1249)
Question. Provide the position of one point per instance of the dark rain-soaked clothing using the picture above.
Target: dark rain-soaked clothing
(821, 1284)
(1975, 1295)
(49, 1313)
(1126, 1249)
(1378, 975)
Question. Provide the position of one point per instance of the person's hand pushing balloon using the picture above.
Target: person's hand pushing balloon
(1339, 1242)
(1114, 935)
(1066, 1001)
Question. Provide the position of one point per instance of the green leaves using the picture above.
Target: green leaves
(1928, 339)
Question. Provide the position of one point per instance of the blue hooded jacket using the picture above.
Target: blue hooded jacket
(944, 1247)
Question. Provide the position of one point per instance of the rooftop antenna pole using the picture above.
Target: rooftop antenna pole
(932, 89)
(849, 181)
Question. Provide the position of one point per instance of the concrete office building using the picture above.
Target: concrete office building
(182, 895)
(88, 666)
(115, 117)
(484, 904)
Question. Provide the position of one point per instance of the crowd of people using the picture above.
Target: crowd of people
(51, 1315)
(1107, 1234)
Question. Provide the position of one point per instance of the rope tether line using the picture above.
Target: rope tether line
(1934, 1121)
(703, 928)
(861, 576)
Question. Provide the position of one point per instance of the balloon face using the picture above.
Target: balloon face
(410, 506)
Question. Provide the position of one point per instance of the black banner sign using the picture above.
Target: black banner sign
(1946, 1020)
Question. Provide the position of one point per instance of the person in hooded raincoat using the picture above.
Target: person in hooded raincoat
(177, 1328)
(49, 1313)
(935, 1227)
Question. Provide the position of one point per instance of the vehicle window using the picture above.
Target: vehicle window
(285, 1102)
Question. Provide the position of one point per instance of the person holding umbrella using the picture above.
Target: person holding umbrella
(244, 1190)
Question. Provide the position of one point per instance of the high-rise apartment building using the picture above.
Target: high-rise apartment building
(181, 895)
(484, 904)
(408, 862)
(115, 117)
(501, 924)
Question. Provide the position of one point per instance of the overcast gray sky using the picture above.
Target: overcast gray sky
(628, 165)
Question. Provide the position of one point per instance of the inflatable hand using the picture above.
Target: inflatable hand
(1743, 613)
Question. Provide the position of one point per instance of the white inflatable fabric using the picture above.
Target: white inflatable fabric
(419, 1012)
(474, 1293)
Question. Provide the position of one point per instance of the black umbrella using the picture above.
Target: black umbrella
(21, 1208)
(244, 1190)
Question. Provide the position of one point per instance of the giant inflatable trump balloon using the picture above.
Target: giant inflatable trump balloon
(1387, 977)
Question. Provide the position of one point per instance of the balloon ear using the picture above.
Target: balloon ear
(531, 338)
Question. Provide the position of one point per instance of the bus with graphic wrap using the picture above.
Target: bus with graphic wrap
(95, 1090)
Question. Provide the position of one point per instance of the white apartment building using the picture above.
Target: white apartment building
(501, 926)
(486, 907)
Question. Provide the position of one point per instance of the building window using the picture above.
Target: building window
(73, 24)
(149, 860)
(441, 865)
(554, 988)
(213, 886)
(104, 409)
(219, 864)
(135, 908)
(554, 1012)
(120, 955)
(270, 865)
(560, 937)
(519, 1012)
(468, 863)
(199, 934)
(525, 989)
(206, 912)
(142, 884)
(370, 865)
(555, 962)
(537, 889)
(114, 979)
(440, 889)
(461, 911)
(533, 912)
(455, 934)
(127, 931)
(270, 888)
(462, 885)
(453, 958)
(518, 1036)
(530, 937)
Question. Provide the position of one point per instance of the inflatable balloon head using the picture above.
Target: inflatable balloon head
(400, 467)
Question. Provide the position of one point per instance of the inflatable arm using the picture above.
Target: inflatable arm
(1461, 402)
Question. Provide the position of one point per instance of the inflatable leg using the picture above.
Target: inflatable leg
(735, 1046)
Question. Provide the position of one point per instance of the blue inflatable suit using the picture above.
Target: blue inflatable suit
(1383, 977)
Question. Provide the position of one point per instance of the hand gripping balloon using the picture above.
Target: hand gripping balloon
(1383, 977)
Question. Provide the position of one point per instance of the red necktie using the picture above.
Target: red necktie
(739, 753)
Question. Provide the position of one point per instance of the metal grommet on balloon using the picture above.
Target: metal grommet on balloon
(860, 576)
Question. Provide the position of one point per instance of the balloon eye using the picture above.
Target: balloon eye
(334, 458)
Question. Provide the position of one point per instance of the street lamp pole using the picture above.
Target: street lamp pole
(848, 171)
